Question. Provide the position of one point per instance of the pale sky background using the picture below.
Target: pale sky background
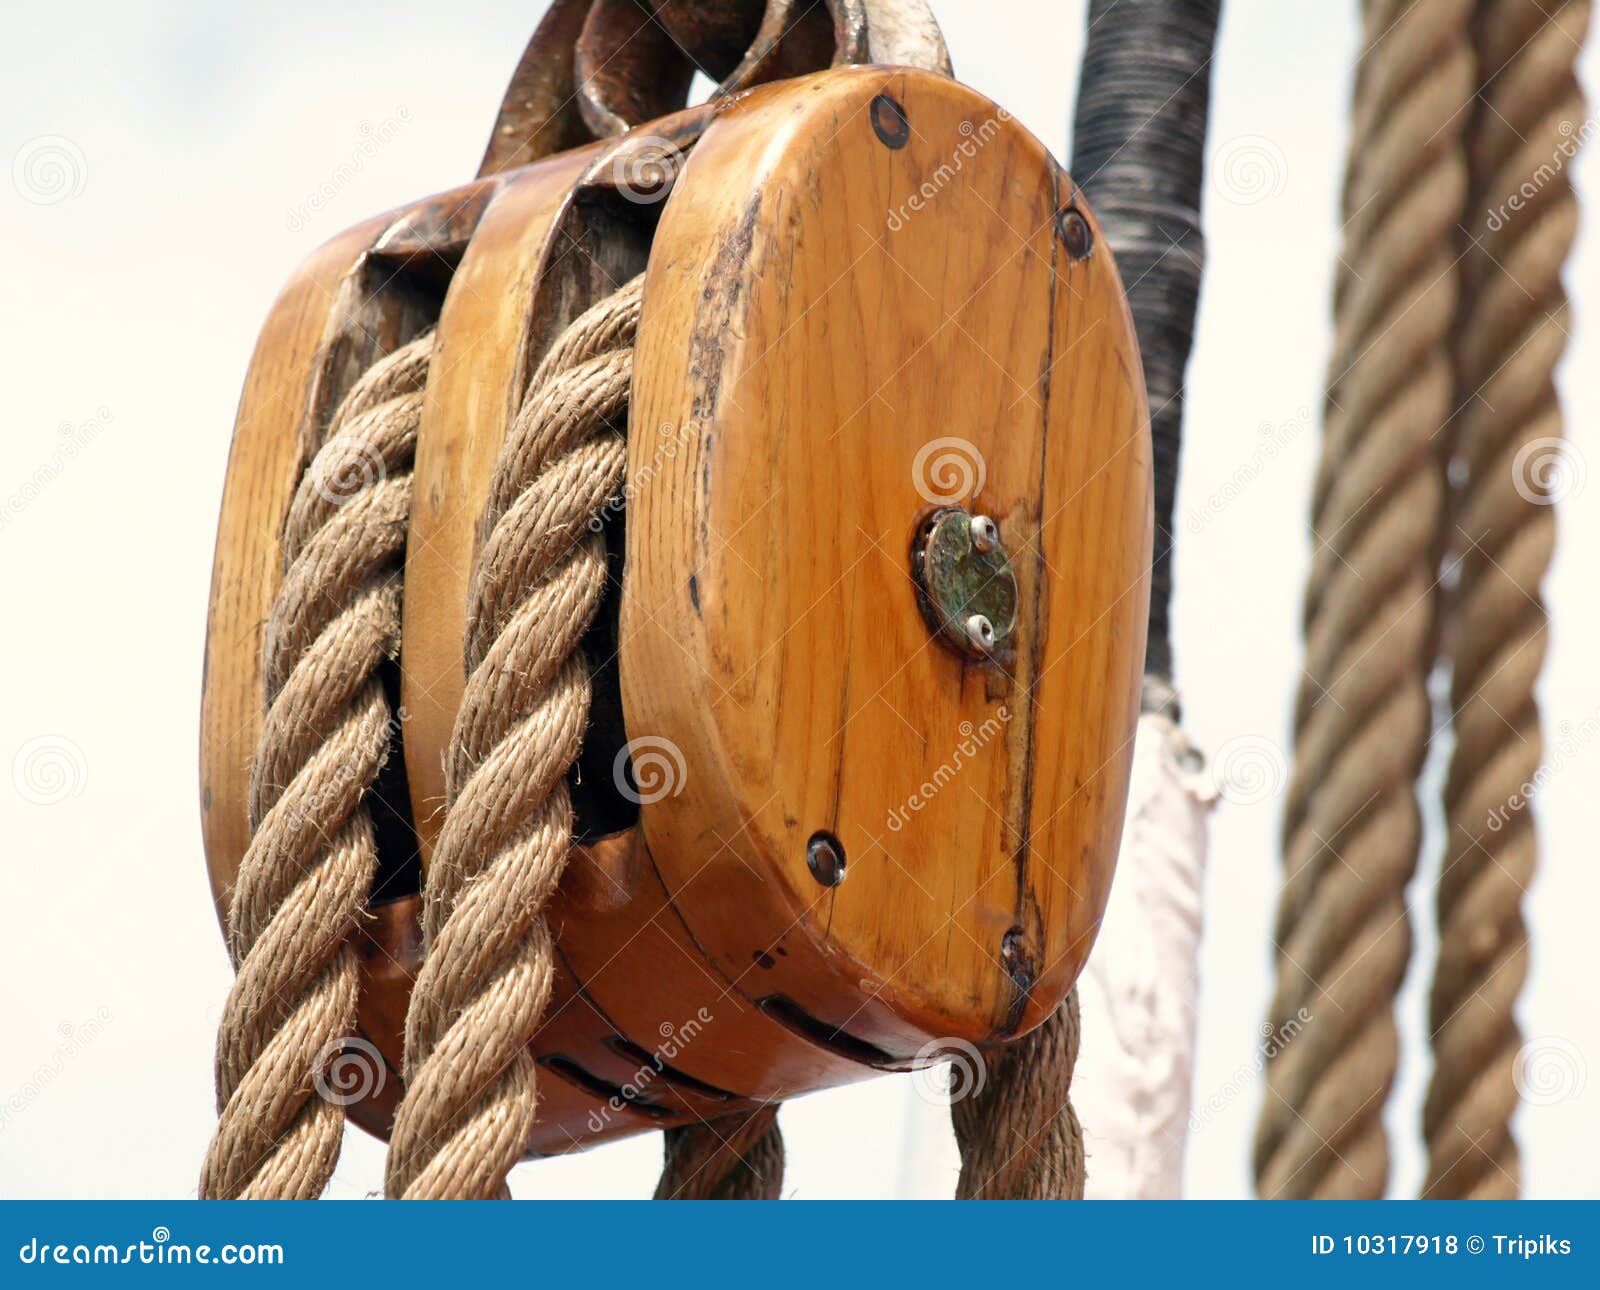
(193, 133)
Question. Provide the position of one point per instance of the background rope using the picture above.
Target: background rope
(739, 1157)
(1362, 717)
(1138, 153)
(1511, 331)
(1018, 1135)
(309, 866)
(537, 583)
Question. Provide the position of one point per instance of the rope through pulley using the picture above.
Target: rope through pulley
(511, 1044)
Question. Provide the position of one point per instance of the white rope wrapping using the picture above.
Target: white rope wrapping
(1140, 993)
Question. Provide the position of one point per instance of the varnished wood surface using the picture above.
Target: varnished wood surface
(822, 306)
(797, 354)
(550, 245)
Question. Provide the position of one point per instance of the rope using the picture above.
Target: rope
(1017, 1133)
(739, 1157)
(1138, 151)
(1139, 995)
(536, 586)
(309, 866)
(1352, 825)
(1511, 331)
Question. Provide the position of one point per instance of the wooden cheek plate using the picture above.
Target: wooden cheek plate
(866, 300)
(860, 306)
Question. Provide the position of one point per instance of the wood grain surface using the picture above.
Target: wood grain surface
(860, 306)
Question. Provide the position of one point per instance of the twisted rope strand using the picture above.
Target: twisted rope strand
(309, 866)
(536, 585)
(1352, 826)
(1512, 330)
(1018, 1135)
(739, 1157)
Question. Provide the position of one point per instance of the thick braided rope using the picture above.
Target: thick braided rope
(1018, 1135)
(1362, 719)
(739, 1157)
(536, 585)
(311, 859)
(1511, 331)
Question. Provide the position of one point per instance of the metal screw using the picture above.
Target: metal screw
(980, 631)
(985, 533)
(825, 858)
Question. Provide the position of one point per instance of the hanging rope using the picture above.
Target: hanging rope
(739, 1157)
(1018, 1135)
(1511, 331)
(311, 859)
(536, 585)
(1138, 152)
(488, 956)
(1362, 718)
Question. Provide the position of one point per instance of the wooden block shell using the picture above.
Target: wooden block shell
(860, 306)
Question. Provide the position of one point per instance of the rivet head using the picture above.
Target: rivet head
(985, 533)
(1076, 235)
(980, 633)
(825, 858)
(889, 122)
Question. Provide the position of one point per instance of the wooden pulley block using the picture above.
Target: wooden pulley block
(868, 674)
